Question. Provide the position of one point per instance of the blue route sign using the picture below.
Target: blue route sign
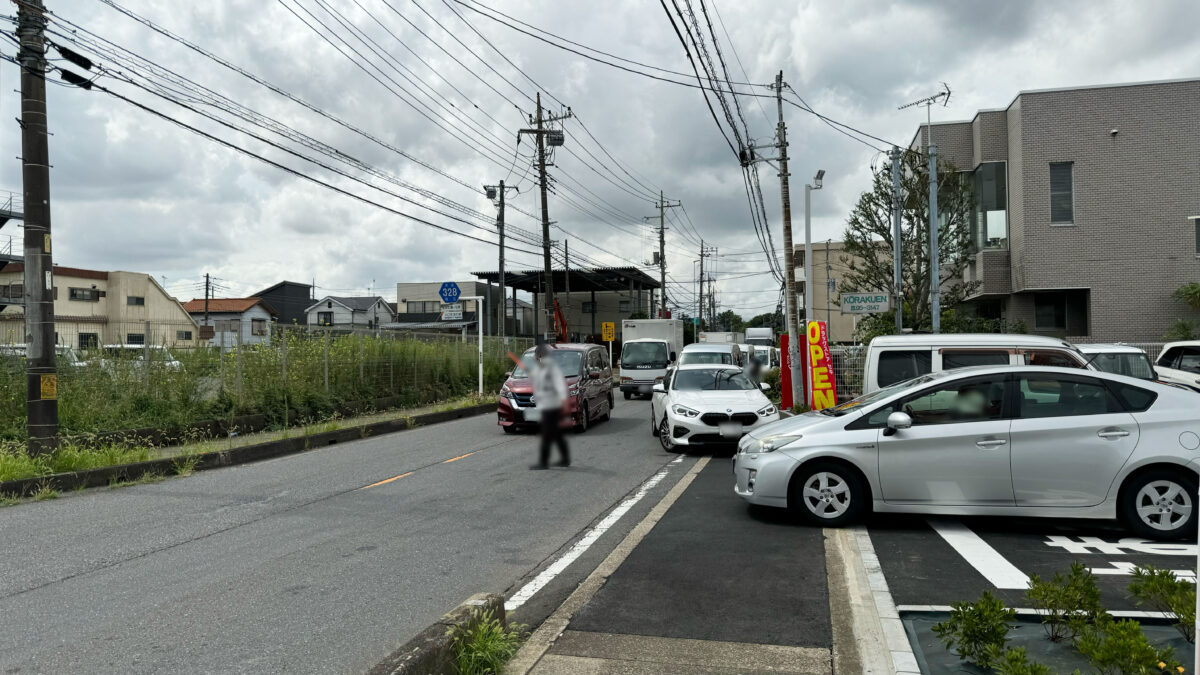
(450, 292)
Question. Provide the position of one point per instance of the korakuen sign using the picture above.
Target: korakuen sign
(823, 392)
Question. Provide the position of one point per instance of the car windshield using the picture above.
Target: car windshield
(711, 379)
(714, 358)
(1132, 365)
(877, 395)
(568, 362)
(644, 354)
(763, 358)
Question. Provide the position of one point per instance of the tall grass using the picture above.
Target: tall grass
(15, 462)
(210, 385)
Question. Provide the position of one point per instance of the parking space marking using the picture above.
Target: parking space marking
(986, 560)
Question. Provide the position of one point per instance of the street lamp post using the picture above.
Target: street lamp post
(808, 292)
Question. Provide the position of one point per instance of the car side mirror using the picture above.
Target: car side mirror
(507, 374)
(658, 388)
(764, 386)
(672, 357)
(897, 421)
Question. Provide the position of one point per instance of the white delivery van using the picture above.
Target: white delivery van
(706, 353)
(649, 347)
(895, 358)
(761, 337)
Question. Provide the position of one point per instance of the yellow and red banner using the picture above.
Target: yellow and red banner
(823, 392)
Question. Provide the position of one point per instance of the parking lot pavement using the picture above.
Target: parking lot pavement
(933, 562)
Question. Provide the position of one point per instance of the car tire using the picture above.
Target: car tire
(1160, 504)
(653, 424)
(510, 429)
(828, 494)
(584, 420)
(664, 436)
(627, 395)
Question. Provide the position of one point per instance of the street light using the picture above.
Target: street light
(808, 274)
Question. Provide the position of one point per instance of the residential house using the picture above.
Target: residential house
(419, 306)
(290, 300)
(349, 312)
(235, 321)
(1087, 206)
(93, 308)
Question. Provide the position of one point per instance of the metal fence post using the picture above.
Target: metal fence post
(146, 350)
(283, 354)
(239, 360)
(326, 360)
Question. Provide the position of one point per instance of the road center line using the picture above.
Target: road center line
(547, 575)
(994, 567)
(455, 459)
(386, 481)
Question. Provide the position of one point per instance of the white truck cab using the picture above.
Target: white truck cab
(649, 347)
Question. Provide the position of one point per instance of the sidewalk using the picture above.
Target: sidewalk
(705, 586)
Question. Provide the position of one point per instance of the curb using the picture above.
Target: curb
(220, 458)
(431, 651)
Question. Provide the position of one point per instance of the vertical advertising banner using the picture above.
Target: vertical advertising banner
(820, 362)
(785, 374)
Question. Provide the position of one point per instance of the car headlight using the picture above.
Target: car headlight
(573, 390)
(505, 392)
(684, 411)
(771, 443)
(766, 410)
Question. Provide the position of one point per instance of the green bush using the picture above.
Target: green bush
(1163, 591)
(1016, 662)
(1121, 648)
(976, 631)
(1065, 603)
(484, 645)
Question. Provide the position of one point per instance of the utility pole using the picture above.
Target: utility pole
(935, 281)
(897, 283)
(493, 192)
(567, 279)
(829, 282)
(663, 205)
(553, 138)
(41, 383)
(700, 299)
(789, 277)
(207, 286)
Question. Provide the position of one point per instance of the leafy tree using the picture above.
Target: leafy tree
(1189, 293)
(767, 320)
(730, 320)
(868, 242)
(639, 315)
(1186, 329)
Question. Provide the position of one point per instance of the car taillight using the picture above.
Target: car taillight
(627, 379)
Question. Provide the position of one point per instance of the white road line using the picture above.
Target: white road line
(994, 567)
(547, 575)
(1027, 611)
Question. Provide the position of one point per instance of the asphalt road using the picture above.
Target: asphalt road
(290, 565)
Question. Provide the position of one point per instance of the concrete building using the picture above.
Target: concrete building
(419, 306)
(349, 312)
(289, 299)
(94, 308)
(1088, 211)
(234, 321)
(828, 265)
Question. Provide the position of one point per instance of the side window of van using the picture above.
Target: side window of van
(1050, 357)
(899, 365)
(952, 359)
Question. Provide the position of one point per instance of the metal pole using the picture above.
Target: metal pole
(567, 285)
(935, 290)
(41, 375)
(479, 302)
(897, 282)
(808, 288)
(828, 287)
(662, 256)
(146, 350)
(501, 328)
(700, 299)
(788, 253)
(326, 360)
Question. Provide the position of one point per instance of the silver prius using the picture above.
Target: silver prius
(991, 440)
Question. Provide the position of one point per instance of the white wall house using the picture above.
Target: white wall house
(249, 318)
(344, 312)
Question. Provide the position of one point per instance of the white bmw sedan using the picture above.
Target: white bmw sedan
(705, 404)
(992, 440)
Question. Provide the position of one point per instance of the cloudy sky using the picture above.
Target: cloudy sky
(131, 191)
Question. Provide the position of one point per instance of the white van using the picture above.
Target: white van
(714, 353)
(895, 358)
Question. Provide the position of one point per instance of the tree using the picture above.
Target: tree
(767, 320)
(730, 321)
(1185, 329)
(639, 315)
(868, 242)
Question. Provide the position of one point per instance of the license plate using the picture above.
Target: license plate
(518, 415)
(729, 429)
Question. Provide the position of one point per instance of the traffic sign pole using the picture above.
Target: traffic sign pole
(609, 334)
(478, 324)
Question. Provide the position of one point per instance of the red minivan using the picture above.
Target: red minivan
(589, 389)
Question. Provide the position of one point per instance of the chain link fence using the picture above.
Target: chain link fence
(157, 376)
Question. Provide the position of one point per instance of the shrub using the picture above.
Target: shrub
(1121, 648)
(1065, 603)
(1163, 591)
(1016, 662)
(484, 645)
(976, 631)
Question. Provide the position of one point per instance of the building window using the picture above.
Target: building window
(136, 300)
(1196, 222)
(989, 220)
(590, 307)
(624, 306)
(183, 335)
(1050, 311)
(258, 326)
(85, 294)
(324, 318)
(135, 339)
(88, 341)
(1062, 193)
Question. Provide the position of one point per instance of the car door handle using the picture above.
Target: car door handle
(991, 443)
(1112, 434)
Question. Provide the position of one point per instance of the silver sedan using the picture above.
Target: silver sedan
(994, 440)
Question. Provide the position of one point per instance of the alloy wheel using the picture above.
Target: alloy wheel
(664, 436)
(826, 495)
(1164, 505)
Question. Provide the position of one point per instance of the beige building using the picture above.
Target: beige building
(94, 308)
(827, 265)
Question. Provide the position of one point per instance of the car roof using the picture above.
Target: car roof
(568, 346)
(1109, 348)
(968, 339)
(708, 347)
(707, 366)
(1182, 343)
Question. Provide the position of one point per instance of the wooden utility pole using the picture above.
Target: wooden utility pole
(789, 273)
(41, 373)
(207, 292)
(663, 205)
(556, 139)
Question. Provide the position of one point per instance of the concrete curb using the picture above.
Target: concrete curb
(219, 458)
(431, 651)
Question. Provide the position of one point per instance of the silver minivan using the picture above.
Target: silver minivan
(896, 358)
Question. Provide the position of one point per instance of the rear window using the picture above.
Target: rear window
(966, 359)
(898, 366)
(713, 358)
(1135, 399)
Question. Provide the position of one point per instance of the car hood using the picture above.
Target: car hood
(740, 401)
(796, 424)
(524, 385)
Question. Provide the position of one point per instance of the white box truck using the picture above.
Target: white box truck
(648, 347)
(764, 337)
(721, 337)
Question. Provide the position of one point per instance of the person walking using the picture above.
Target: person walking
(550, 395)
